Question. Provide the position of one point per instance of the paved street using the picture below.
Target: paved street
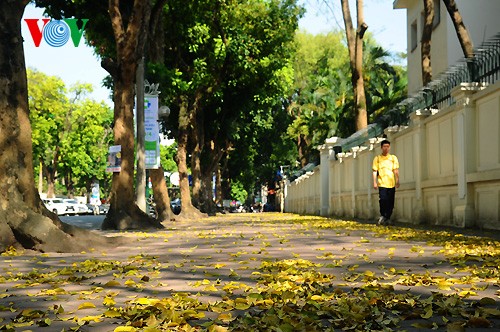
(280, 269)
(84, 221)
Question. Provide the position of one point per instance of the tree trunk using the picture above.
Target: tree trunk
(68, 182)
(206, 198)
(361, 113)
(212, 155)
(218, 185)
(197, 137)
(188, 211)
(24, 221)
(40, 178)
(156, 53)
(124, 212)
(160, 194)
(50, 175)
(462, 33)
(355, 47)
(302, 145)
(425, 49)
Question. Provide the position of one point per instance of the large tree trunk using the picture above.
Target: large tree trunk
(160, 194)
(212, 154)
(24, 221)
(156, 54)
(218, 185)
(198, 142)
(188, 211)
(355, 47)
(50, 176)
(124, 212)
(206, 195)
(425, 49)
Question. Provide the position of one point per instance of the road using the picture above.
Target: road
(86, 221)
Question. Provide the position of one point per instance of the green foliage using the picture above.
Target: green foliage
(48, 106)
(238, 192)
(233, 61)
(69, 136)
(85, 150)
(167, 157)
(385, 85)
(321, 98)
(321, 88)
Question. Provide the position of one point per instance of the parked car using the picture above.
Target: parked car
(98, 209)
(58, 206)
(77, 207)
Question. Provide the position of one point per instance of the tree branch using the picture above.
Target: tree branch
(116, 22)
(110, 66)
(362, 29)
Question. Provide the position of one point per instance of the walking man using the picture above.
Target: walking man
(386, 180)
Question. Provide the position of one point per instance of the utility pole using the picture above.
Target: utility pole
(140, 189)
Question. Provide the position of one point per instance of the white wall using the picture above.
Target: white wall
(450, 168)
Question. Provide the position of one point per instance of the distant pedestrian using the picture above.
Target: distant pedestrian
(386, 180)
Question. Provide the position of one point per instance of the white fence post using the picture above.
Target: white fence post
(463, 213)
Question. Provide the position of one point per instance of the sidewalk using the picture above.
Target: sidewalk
(254, 272)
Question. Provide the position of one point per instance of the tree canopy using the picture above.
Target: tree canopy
(70, 132)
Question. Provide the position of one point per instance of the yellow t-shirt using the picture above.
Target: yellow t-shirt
(385, 166)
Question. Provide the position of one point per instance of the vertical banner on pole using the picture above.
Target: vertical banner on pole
(152, 132)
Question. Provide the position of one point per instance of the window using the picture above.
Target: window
(413, 35)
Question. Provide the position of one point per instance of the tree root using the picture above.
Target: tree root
(131, 218)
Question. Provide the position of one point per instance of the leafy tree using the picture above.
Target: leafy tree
(128, 23)
(320, 91)
(385, 84)
(167, 157)
(49, 109)
(238, 191)
(70, 137)
(227, 62)
(24, 220)
(320, 101)
(85, 151)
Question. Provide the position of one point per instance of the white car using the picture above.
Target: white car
(58, 206)
(75, 207)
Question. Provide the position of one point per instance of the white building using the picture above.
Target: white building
(480, 18)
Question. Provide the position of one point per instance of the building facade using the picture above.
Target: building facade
(480, 18)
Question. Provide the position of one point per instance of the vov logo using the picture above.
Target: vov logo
(56, 33)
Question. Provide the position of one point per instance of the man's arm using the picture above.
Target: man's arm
(396, 177)
(375, 184)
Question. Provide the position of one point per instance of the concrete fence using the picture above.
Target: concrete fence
(449, 168)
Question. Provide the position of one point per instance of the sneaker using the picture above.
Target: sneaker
(381, 220)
